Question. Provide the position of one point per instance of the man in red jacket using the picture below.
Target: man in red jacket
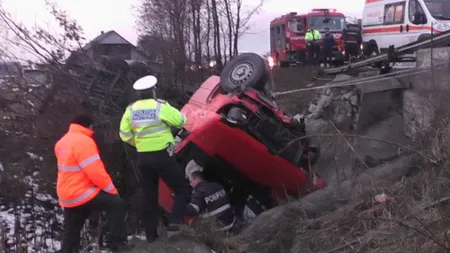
(83, 185)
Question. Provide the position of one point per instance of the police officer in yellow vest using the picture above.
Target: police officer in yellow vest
(313, 39)
(146, 125)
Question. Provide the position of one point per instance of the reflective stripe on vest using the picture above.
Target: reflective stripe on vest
(80, 198)
(126, 134)
(216, 212)
(79, 167)
(109, 187)
(152, 131)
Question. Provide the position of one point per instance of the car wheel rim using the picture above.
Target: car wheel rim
(241, 73)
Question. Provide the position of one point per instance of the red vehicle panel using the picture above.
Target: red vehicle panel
(207, 131)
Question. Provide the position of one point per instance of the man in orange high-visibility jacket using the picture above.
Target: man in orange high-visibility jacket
(83, 186)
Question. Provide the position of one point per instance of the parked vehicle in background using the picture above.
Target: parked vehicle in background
(397, 23)
(287, 33)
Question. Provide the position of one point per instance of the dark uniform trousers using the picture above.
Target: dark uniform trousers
(314, 52)
(155, 165)
(210, 201)
(328, 45)
(352, 39)
(75, 217)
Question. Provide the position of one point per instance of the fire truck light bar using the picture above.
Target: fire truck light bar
(324, 10)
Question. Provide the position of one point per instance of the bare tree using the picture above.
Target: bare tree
(181, 25)
(196, 30)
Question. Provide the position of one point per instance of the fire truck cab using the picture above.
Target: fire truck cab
(287, 33)
(399, 22)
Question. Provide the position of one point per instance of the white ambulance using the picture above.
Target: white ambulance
(399, 22)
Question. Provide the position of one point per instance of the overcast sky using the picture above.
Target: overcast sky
(119, 15)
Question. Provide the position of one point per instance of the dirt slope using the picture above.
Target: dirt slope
(285, 79)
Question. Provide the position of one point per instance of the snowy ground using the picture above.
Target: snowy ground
(34, 224)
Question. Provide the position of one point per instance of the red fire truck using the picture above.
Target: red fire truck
(287, 33)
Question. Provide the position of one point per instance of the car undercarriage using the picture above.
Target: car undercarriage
(239, 137)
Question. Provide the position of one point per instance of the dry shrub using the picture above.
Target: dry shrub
(415, 221)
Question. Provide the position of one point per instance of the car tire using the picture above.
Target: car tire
(245, 71)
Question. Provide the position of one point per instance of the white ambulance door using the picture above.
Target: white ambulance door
(414, 26)
(394, 29)
(372, 22)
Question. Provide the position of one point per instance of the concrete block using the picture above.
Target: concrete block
(418, 112)
(427, 57)
(436, 79)
(375, 106)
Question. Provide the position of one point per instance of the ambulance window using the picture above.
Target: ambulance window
(399, 14)
(414, 8)
(389, 14)
(394, 13)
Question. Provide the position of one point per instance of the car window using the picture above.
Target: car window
(414, 7)
(394, 13)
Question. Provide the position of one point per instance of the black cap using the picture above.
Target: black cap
(82, 119)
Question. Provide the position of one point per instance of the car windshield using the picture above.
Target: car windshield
(439, 9)
(334, 23)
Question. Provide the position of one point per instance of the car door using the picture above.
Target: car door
(394, 29)
(414, 28)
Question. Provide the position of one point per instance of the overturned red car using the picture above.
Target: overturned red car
(244, 141)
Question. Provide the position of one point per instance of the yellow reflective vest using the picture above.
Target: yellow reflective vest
(146, 124)
(313, 35)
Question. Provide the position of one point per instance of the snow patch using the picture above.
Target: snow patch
(34, 156)
(34, 223)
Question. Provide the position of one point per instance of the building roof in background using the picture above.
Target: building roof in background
(103, 36)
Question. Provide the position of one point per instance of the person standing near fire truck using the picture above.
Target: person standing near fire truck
(146, 125)
(313, 39)
(329, 43)
(352, 39)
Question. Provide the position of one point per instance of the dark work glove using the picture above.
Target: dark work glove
(174, 130)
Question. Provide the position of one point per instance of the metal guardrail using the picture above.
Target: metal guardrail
(393, 55)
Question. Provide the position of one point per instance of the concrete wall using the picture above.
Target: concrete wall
(429, 90)
(375, 107)
(357, 107)
(418, 112)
